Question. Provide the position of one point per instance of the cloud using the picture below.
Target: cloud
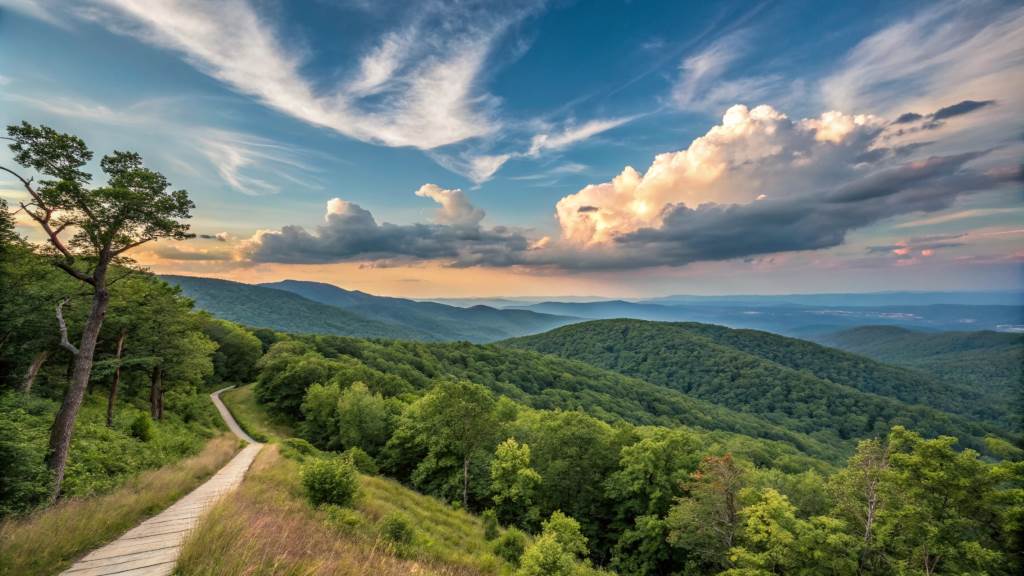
(248, 163)
(455, 207)
(761, 146)
(572, 134)
(417, 86)
(351, 233)
(947, 50)
(937, 119)
(220, 236)
(923, 245)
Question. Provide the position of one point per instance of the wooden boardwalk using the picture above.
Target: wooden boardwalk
(152, 547)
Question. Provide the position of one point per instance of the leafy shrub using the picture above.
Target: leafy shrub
(344, 520)
(396, 528)
(142, 427)
(510, 545)
(490, 518)
(25, 481)
(298, 449)
(361, 460)
(330, 481)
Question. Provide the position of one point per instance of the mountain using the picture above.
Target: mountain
(780, 379)
(858, 299)
(262, 307)
(475, 324)
(989, 361)
(802, 320)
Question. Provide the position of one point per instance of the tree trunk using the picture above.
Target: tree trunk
(112, 398)
(64, 423)
(33, 371)
(155, 392)
(465, 483)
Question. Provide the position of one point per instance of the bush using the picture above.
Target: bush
(490, 524)
(298, 449)
(142, 427)
(361, 460)
(331, 481)
(344, 520)
(510, 546)
(396, 528)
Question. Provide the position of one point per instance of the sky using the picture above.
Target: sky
(607, 148)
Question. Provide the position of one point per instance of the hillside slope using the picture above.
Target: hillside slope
(672, 356)
(475, 324)
(262, 307)
(989, 361)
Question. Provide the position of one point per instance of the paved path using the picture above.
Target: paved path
(151, 548)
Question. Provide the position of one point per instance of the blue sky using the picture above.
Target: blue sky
(462, 148)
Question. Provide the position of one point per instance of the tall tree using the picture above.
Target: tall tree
(460, 417)
(134, 207)
(514, 483)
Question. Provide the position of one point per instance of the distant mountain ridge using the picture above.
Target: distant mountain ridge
(312, 307)
(476, 324)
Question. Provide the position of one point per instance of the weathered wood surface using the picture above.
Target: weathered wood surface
(152, 547)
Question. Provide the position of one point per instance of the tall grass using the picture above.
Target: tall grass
(242, 404)
(268, 527)
(47, 541)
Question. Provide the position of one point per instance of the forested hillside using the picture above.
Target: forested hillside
(524, 438)
(262, 307)
(673, 356)
(989, 361)
(443, 322)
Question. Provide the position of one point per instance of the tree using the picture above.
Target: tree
(558, 549)
(857, 492)
(133, 208)
(459, 416)
(513, 483)
(238, 350)
(365, 420)
(707, 521)
(320, 413)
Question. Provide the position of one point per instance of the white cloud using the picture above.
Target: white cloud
(424, 93)
(247, 163)
(753, 153)
(948, 52)
(572, 134)
(455, 210)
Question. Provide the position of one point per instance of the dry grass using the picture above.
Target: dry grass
(48, 540)
(267, 527)
(252, 417)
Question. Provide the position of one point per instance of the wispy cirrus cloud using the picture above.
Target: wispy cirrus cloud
(573, 133)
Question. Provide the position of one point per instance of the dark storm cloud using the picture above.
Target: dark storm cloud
(961, 108)
(935, 119)
(351, 233)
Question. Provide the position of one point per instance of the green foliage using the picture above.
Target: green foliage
(514, 484)
(142, 427)
(298, 449)
(331, 481)
(491, 526)
(510, 545)
(558, 549)
(363, 462)
(397, 529)
(320, 416)
(237, 352)
(705, 523)
(26, 481)
(344, 520)
(830, 395)
(365, 420)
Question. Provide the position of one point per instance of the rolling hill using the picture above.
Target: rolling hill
(475, 324)
(702, 362)
(261, 307)
(989, 361)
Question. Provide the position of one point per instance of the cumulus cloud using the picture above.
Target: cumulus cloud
(752, 152)
(351, 233)
(455, 209)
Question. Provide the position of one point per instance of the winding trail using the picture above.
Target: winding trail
(152, 547)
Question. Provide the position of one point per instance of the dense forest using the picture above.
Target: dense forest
(649, 499)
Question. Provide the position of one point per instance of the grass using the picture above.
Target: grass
(268, 527)
(48, 540)
(241, 401)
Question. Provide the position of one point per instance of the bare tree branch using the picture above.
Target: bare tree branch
(132, 245)
(64, 342)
